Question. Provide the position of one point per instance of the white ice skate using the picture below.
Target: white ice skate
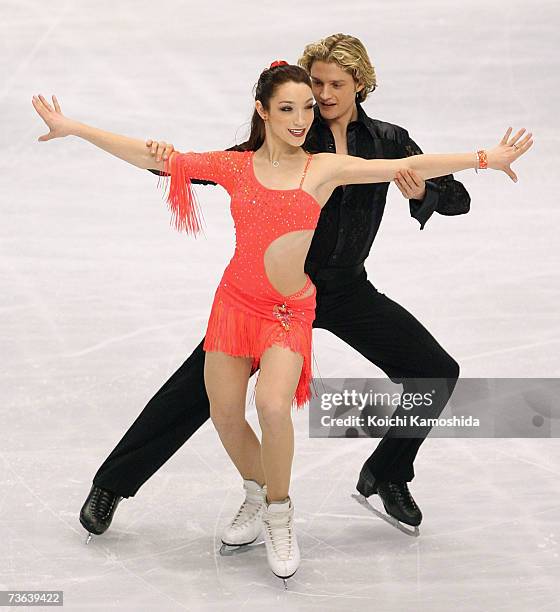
(246, 525)
(282, 548)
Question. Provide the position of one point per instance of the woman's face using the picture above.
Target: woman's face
(290, 112)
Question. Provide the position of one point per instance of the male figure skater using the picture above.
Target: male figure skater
(348, 305)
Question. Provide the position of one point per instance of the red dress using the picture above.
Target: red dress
(248, 314)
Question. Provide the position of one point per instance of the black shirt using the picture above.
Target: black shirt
(350, 219)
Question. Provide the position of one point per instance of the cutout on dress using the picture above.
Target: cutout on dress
(282, 260)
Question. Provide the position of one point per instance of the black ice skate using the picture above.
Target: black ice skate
(98, 510)
(398, 502)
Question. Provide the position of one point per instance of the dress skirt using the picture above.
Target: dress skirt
(245, 325)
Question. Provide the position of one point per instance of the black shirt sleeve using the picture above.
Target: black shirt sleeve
(444, 194)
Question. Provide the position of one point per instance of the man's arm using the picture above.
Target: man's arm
(444, 194)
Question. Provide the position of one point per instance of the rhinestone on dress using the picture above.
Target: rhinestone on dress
(283, 314)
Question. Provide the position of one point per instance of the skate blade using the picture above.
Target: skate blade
(89, 538)
(229, 550)
(406, 529)
(284, 579)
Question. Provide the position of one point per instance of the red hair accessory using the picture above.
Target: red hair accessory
(278, 63)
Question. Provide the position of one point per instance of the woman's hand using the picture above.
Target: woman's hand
(500, 157)
(159, 149)
(58, 124)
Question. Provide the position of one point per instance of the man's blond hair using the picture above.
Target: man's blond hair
(349, 53)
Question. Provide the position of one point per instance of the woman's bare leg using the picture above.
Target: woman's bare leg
(280, 370)
(226, 380)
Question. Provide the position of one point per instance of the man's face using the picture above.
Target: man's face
(333, 88)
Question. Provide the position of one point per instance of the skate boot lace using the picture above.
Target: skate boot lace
(102, 503)
(282, 538)
(248, 511)
(402, 493)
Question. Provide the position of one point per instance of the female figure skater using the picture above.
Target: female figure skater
(264, 305)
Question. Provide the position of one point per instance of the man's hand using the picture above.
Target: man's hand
(159, 149)
(410, 183)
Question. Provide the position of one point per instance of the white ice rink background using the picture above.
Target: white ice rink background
(101, 300)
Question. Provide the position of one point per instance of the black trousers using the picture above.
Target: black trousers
(376, 326)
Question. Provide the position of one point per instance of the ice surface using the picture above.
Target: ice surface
(101, 300)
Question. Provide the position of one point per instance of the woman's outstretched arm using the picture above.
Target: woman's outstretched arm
(131, 150)
(348, 170)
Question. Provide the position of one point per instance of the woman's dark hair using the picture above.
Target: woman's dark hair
(269, 80)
